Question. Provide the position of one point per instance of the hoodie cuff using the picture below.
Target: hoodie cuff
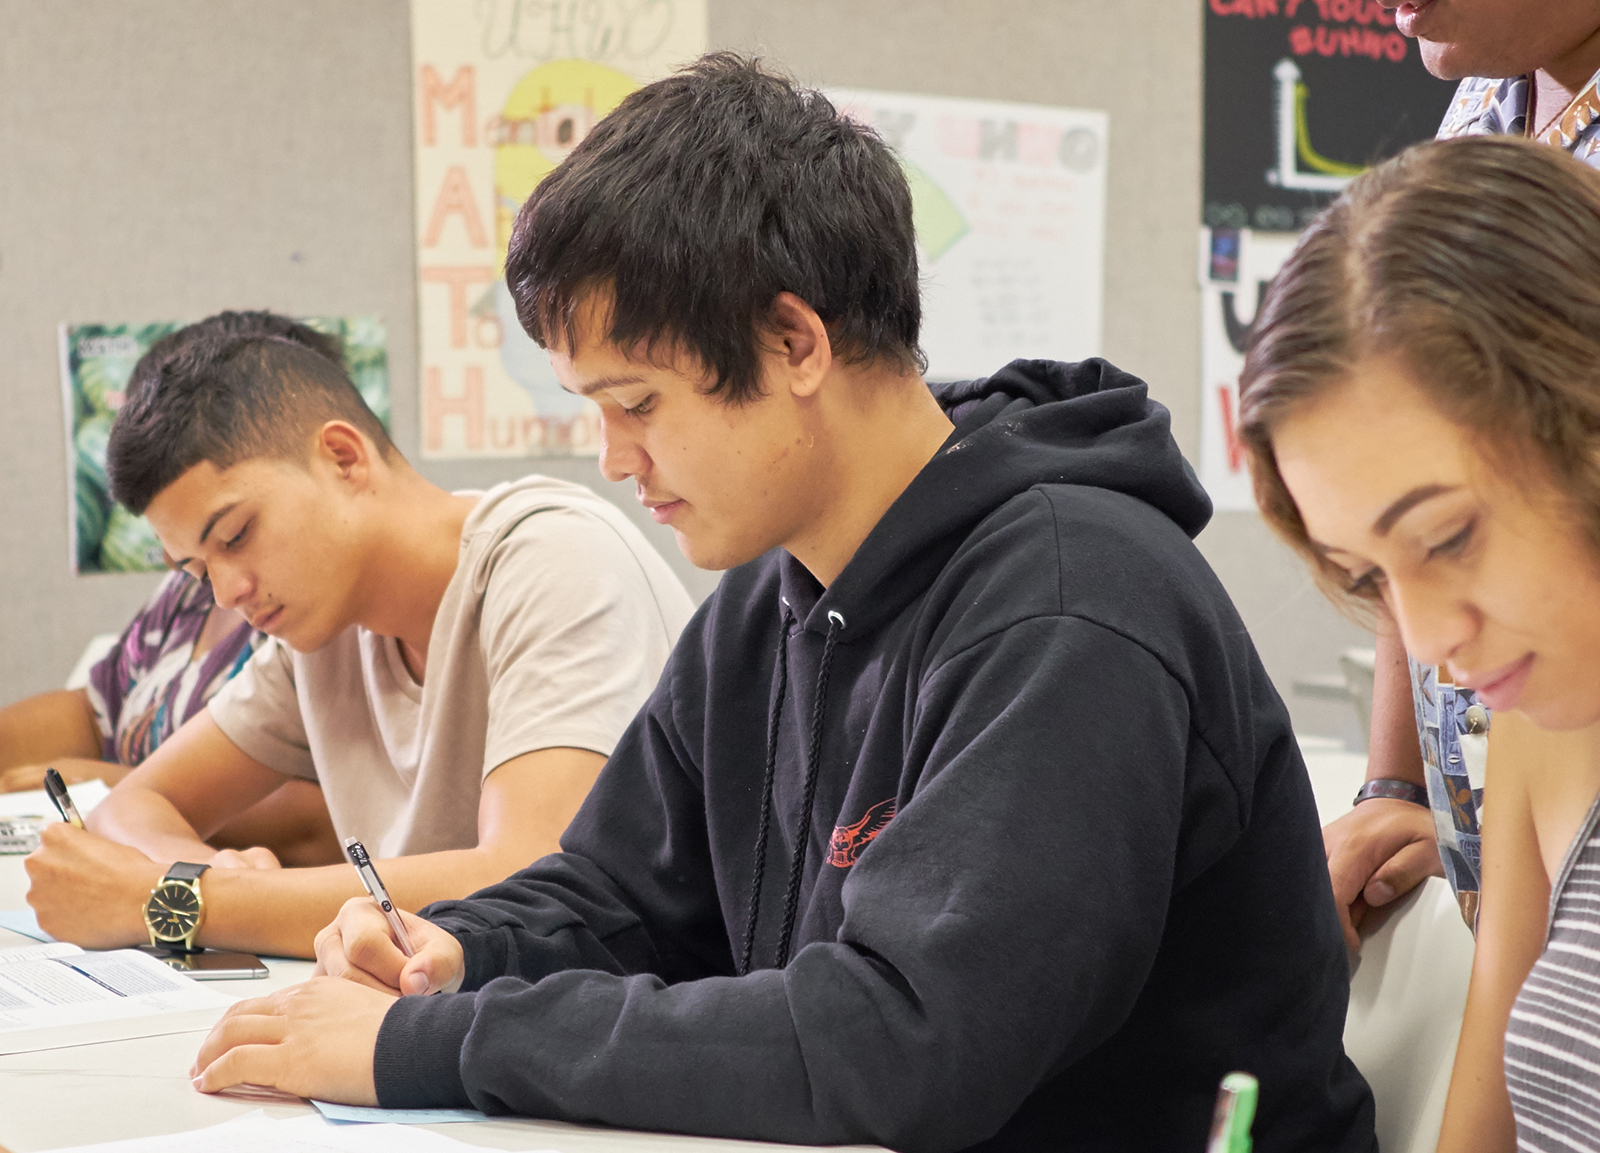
(417, 1062)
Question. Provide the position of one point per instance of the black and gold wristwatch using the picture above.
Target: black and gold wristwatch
(173, 912)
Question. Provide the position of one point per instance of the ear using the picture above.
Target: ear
(799, 351)
(342, 449)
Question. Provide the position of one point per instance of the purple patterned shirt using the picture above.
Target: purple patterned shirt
(149, 683)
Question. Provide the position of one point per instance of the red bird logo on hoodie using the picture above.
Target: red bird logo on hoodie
(848, 840)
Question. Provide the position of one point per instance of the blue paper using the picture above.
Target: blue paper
(23, 921)
(395, 1116)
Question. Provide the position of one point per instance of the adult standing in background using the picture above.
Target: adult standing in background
(1527, 68)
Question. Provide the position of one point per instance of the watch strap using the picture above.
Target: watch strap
(1393, 790)
(185, 871)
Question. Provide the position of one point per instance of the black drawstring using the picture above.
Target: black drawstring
(782, 675)
(819, 711)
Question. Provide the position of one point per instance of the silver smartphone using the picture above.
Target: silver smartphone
(210, 964)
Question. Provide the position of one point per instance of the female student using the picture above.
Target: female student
(1527, 68)
(1421, 403)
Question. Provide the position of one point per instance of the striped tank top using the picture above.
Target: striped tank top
(1553, 1038)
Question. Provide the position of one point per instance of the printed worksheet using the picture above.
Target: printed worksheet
(56, 995)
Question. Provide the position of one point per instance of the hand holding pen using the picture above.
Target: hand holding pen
(372, 943)
(357, 852)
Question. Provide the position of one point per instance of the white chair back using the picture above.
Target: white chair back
(1408, 988)
(97, 647)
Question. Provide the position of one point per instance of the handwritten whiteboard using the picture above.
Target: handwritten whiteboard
(1010, 214)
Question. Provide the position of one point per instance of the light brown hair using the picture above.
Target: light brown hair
(1474, 263)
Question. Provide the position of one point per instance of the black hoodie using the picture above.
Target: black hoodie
(1029, 847)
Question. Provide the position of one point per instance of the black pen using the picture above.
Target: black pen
(57, 788)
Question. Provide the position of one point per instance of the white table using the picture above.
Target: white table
(140, 1088)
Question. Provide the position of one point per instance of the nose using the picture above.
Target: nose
(1435, 628)
(230, 586)
(620, 454)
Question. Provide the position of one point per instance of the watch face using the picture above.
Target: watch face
(173, 911)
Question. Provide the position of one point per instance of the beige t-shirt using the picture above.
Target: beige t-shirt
(552, 633)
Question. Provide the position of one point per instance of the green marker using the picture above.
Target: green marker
(1236, 1109)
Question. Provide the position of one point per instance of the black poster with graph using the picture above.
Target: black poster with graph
(1301, 95)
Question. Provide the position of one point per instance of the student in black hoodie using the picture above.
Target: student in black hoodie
(963, 816)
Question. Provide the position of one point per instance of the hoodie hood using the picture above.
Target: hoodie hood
(1033, 422)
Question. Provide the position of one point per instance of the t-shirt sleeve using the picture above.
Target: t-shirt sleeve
(573, 638)
(259, 711)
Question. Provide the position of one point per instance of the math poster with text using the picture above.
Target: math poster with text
(503, 90)
(1301, 97)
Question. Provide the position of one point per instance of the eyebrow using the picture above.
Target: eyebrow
(1405, 504)
(606, 382)
(211, 523)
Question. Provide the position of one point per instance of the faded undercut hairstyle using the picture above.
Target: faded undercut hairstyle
(236, 386)
(690, 207)
(1473, 263)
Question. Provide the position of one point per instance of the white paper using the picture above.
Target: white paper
(333, 1111)
(25, 922)
(257, 1133)
(58, 994)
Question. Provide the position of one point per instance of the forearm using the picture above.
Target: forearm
(53, 724)
(1511, 930)
(565, 1047)
(145, 820)
(280, 911)
(1477, 1114)
(1393, 749)
(72, 769)
(560, 913)
(88, 768)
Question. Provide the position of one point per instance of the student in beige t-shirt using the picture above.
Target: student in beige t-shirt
(452, 668)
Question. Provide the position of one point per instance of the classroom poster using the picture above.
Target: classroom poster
(1009, 202)
(96, 362)
(504, 89)
(1229, 306)
(1301, 96)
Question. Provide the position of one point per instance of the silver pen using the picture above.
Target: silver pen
(357, 852)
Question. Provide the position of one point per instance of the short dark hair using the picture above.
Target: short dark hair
(700, 199)
(233, 387)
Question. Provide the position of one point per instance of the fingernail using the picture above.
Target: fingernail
(416, 984)
(1380, 893)
(198, 1083)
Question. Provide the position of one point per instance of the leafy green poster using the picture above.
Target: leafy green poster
(96, 362)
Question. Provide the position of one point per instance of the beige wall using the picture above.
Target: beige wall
(162, 160)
